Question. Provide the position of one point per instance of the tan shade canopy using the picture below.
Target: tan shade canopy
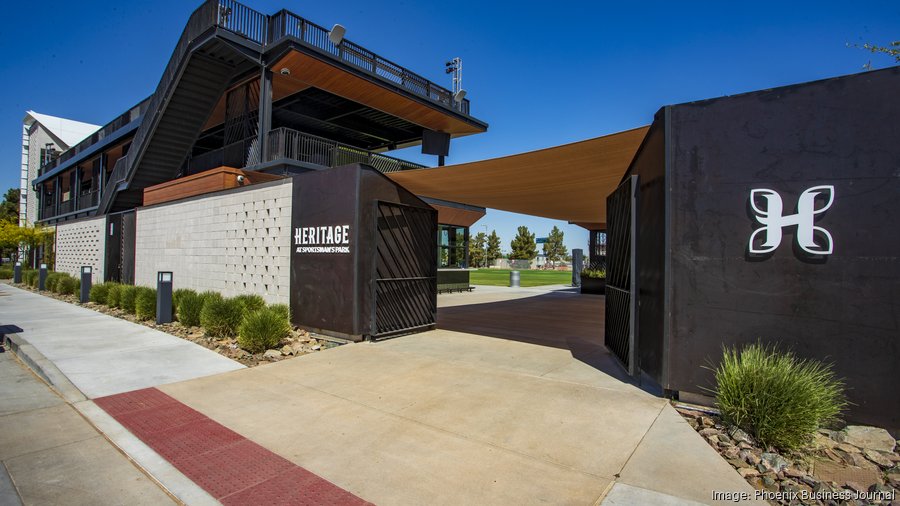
(568, 182)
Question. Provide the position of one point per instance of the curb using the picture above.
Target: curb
(43, 367)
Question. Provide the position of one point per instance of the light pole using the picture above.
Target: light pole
(484, 260)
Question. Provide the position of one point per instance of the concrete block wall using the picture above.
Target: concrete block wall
(232, 242)
(81, 243)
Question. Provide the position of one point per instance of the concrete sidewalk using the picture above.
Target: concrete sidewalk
(100, 354)
(49, 454)
(442, 417)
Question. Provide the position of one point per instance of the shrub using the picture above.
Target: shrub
(114, 296)
(251, 302)
(126, 298)
(30, 278)
(6, 272)
(220, 317)
(778, 398)
(263, 329)
(145, 303)
(52, 279)
(282, 309)
(66, 285)
(189, 307)
(177, 295)
(594, 273)
(99, 292)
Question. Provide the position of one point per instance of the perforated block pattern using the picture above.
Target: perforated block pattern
(233, 469)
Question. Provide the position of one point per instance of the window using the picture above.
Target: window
(453, 246)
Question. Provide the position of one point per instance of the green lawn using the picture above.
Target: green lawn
(500, 277)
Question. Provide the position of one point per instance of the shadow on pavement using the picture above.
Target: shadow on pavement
(562, 319)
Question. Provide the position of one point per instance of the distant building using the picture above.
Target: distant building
(43, 138)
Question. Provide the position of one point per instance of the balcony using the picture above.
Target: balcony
(314, 150)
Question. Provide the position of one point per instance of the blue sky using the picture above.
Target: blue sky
(540, 73)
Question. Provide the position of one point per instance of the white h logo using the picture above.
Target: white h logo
(773, 222)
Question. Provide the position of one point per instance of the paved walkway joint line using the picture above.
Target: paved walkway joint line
(233, 469)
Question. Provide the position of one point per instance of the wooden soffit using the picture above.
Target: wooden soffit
(305, 70)
(568, 182)
(449, 215)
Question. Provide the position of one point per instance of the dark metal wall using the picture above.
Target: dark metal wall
(843, 307)
(649, 166)
(335, 292)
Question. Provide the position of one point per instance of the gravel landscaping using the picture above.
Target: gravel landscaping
(300, 342)
(853, 466)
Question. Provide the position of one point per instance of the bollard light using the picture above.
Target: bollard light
(17, 273)
(86, 274)
(42, 278)
(163, 297)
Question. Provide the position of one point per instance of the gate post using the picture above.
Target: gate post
(577, 264)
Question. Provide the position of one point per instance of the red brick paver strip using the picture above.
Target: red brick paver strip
(233, 469)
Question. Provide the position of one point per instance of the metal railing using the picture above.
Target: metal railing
(87, 199)
(104, 132)
(308, 148)
(287, 24)
(266, 30)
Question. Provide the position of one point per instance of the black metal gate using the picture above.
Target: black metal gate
(405, 269)
(621, 279)
(120, 237)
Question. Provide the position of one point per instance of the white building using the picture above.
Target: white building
(41, 134)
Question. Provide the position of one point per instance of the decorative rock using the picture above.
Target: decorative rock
(732, 453)
(856, 459)
(745, 446)
(878, 458)
(713, 439)
(317, 347)
(856, 487)
(706, 421)
(738, 464)
(823, 441)
(750, 457)
(770, 484)
(709, 432)
(844, 447)
(287, 350)
(272, 354)
(774, 461)
(748, 472)
(872, 438)
(740, 436)
(791, 472)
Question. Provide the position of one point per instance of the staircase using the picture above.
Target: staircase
(196, 76)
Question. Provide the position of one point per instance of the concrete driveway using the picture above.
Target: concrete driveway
(449, 417)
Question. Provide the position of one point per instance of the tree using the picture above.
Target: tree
(476, 250)
(554, 248)
(892, 51)
(493, 247)
(523, 245)
(9, 208)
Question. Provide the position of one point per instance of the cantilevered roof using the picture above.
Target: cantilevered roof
(568, 182)
(70, 132)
